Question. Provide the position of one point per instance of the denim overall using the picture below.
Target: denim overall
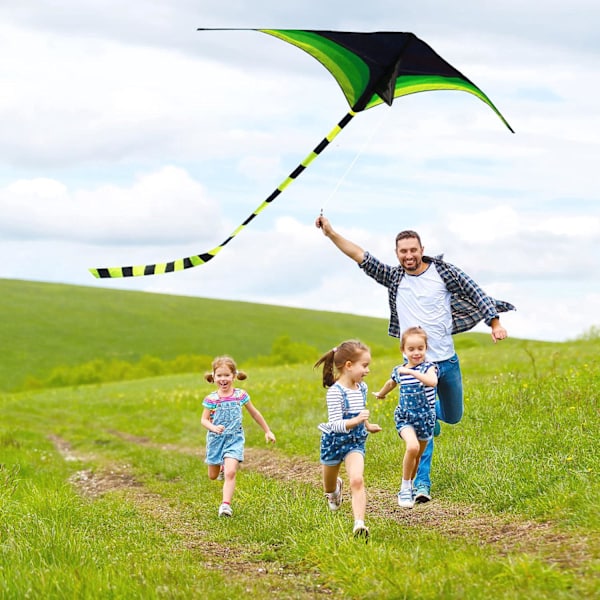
(336, 446)
(415, 410)
(230, 443)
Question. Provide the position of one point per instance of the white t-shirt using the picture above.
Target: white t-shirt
(424, 301)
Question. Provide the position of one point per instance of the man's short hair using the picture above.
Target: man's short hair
(408, 233)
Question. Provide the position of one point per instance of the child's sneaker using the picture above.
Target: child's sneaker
(334, 499)
(422, 494)
(405, 498)
(221, 475)
(225, 510)
(360, 530)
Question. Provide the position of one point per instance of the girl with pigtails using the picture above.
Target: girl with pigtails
(222, 417)
(344, 435)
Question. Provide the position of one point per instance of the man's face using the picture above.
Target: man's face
(410, 254)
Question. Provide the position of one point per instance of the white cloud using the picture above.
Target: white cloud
(570, 226)
(498, 222)
(503, 222)
(160, 207)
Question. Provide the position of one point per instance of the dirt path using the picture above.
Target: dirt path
(507, 535)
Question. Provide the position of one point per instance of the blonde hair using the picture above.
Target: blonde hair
(224, 361)
(337, 357)
(413, 331)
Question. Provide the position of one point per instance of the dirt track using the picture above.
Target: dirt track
(506, 534)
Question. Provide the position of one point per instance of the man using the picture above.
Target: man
(437, 296)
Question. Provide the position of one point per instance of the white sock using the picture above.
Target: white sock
(406, 484)
(359, 523)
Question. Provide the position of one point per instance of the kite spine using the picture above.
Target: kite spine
(204, 257)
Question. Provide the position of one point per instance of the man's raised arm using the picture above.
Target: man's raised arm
(349, 248)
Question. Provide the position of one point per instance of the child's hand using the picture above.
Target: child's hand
(219, 429)
(270, 437)
(379, 395)
(373, 428)
(404, 370)
(363, 416)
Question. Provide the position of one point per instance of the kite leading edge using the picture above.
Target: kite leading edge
(371, 69)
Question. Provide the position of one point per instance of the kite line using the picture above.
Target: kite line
(200, 259)
(366, 143)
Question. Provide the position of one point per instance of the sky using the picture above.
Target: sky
(129, 137)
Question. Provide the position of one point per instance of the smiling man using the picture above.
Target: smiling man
(430, 293)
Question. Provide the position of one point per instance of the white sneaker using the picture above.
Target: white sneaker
(361, 531)
(221, 475)
(225, 510)
(334, 499)
(405, 498)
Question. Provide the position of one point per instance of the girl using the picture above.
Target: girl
(344, 435)
(222, 416)
(415, 413)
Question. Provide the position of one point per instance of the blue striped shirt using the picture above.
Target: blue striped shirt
(356, 401)
(402, 379)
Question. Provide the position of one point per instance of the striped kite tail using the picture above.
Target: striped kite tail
(200, 259)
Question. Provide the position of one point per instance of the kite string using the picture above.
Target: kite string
(365, 145)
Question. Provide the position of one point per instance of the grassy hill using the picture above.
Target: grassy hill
(45, 326)
(52, 328)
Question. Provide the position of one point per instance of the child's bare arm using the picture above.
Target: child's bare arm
(257, 416)
(388, 386)
(207, 423)
(429, 378)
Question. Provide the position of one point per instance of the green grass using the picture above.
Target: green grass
(516, 488)
(47, 326)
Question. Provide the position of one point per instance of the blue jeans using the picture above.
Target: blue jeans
(448, 408)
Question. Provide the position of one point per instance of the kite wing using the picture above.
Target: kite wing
(371, 69)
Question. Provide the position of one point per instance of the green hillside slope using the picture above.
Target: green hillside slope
(48, 325)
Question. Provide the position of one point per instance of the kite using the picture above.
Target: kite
(371, 69)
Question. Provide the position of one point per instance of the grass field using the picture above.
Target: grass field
(104, 494)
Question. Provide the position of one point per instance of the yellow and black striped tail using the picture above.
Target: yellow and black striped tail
(200, 259)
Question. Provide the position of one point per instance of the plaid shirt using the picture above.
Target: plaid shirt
(469, 304)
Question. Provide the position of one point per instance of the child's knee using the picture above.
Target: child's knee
(357, 482)
(413, 448)
(229, 475)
